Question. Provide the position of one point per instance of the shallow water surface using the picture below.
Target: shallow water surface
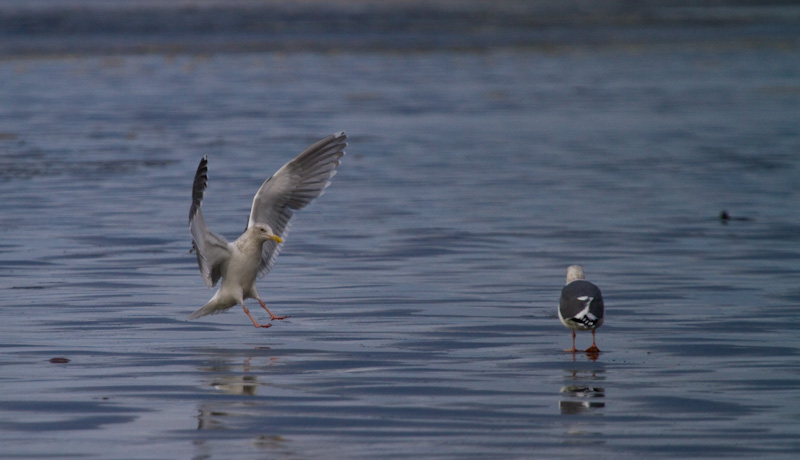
(422, 286)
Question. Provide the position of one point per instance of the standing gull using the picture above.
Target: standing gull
(581, 306)
(253, 253)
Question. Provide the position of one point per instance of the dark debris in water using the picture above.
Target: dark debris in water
(725, 217)
(60, 360)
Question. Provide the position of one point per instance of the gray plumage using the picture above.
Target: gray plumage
(581, 305)
(253, 254)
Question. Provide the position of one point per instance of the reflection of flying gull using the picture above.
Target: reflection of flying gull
(581, 305)
(253, 253)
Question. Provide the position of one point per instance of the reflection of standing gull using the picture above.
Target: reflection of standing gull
(581, 306)
(237, 384)
(572, 406)
(253, 253)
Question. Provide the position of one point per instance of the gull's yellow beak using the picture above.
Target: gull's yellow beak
(276, 238)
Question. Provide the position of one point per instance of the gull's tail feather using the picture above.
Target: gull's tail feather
(213, 307)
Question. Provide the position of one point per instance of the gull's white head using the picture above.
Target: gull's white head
(575, 272)
(263, 233)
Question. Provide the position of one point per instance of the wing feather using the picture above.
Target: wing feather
(292, 188)
(212, 249)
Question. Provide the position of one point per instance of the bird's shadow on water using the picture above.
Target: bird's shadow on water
(583, 390)
(233, 376)
(229, 383)
(582, 394)
(233, 401)
(261, 395)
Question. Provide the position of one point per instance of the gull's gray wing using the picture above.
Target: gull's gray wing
(212, 249)
(292, 188)
(582, 303)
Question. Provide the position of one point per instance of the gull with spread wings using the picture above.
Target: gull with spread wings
(239, 263)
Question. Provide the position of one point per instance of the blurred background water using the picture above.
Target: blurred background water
(491, 146)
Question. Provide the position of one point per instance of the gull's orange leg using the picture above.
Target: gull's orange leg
(255, 323)
(572, 350)
(271, 316)
(593, 348)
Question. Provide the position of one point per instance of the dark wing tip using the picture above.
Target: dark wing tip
(336, 139)
(199, 186)
(341, 135)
